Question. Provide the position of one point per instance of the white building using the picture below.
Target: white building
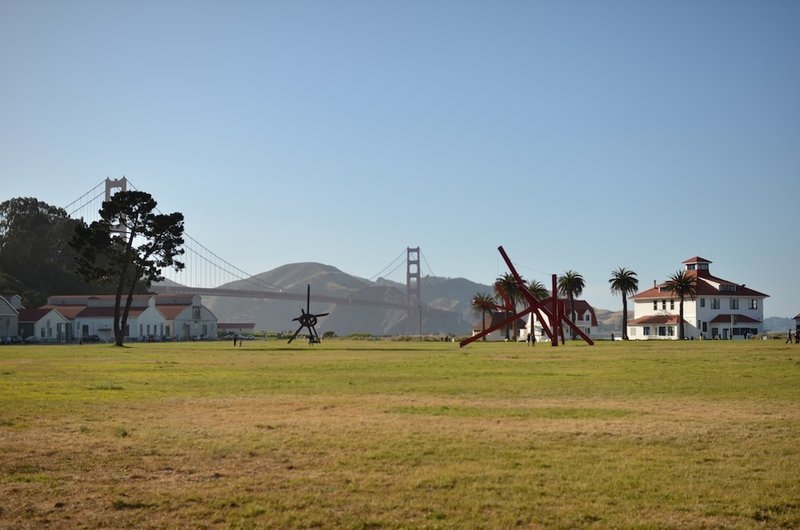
(9, 316)
(162, 317)
(721, 309)
(44, 325)
(585, 319)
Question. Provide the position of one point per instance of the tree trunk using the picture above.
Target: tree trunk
(681, 336)
(572, 334)
(624, 317)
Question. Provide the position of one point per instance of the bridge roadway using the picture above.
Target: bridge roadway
(277, 295)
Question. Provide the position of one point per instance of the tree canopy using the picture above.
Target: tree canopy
(624, 282)
(682, 284)
(482, 303)
(571, 285)
(35, 257)
(129, 246)
(538, 290)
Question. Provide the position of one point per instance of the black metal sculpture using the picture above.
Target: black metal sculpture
(307, 320)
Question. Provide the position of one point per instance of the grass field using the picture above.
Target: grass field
(401, 435)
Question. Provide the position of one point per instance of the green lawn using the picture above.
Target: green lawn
(351, 434)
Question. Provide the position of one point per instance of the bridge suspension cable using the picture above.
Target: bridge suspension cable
(83, 204)
(392, 267)
(430, 271)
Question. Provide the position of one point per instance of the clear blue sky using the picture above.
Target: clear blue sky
(582, 135)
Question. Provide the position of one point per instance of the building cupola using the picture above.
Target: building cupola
(698, 264)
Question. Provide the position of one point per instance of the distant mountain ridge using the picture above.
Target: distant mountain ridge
(443, 316)
(446, 303)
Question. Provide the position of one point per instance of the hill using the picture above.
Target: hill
(276, 315)
(446, 303)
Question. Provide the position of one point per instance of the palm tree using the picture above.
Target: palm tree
(481, 303)
(624, 282)
(682, 284)
(538, 290)
(571, 284)
(506, 285)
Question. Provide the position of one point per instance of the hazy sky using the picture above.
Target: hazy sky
(582, 135)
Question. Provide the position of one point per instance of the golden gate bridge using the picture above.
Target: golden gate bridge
(207, 274)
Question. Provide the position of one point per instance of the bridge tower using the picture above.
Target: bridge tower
(122, 185)
(413, 288)
(111, 184)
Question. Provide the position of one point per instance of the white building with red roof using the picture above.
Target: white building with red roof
(44, 325)
(585, 319)
(162, 317)
(722, 309)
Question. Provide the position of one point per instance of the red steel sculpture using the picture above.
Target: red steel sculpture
(549, 308)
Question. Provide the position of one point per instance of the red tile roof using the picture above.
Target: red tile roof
(705, 287)
(494, 318)
(581, 307)
(170, 311)
(697, 259)
(69, 311)
(32, 315)
(234, 325)
(656, 319)
(107, 312)
(737, 319)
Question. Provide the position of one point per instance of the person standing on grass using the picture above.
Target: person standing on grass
(788, 337)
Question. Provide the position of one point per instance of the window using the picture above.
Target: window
(734, 303)
(705, 327)
(753, 304)
(671, 331)
(646, 330)
(195, 312)
(702, 302)
(672, 304)
(662, 331)
(663, 304)
(715, 303)
(655, 305)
